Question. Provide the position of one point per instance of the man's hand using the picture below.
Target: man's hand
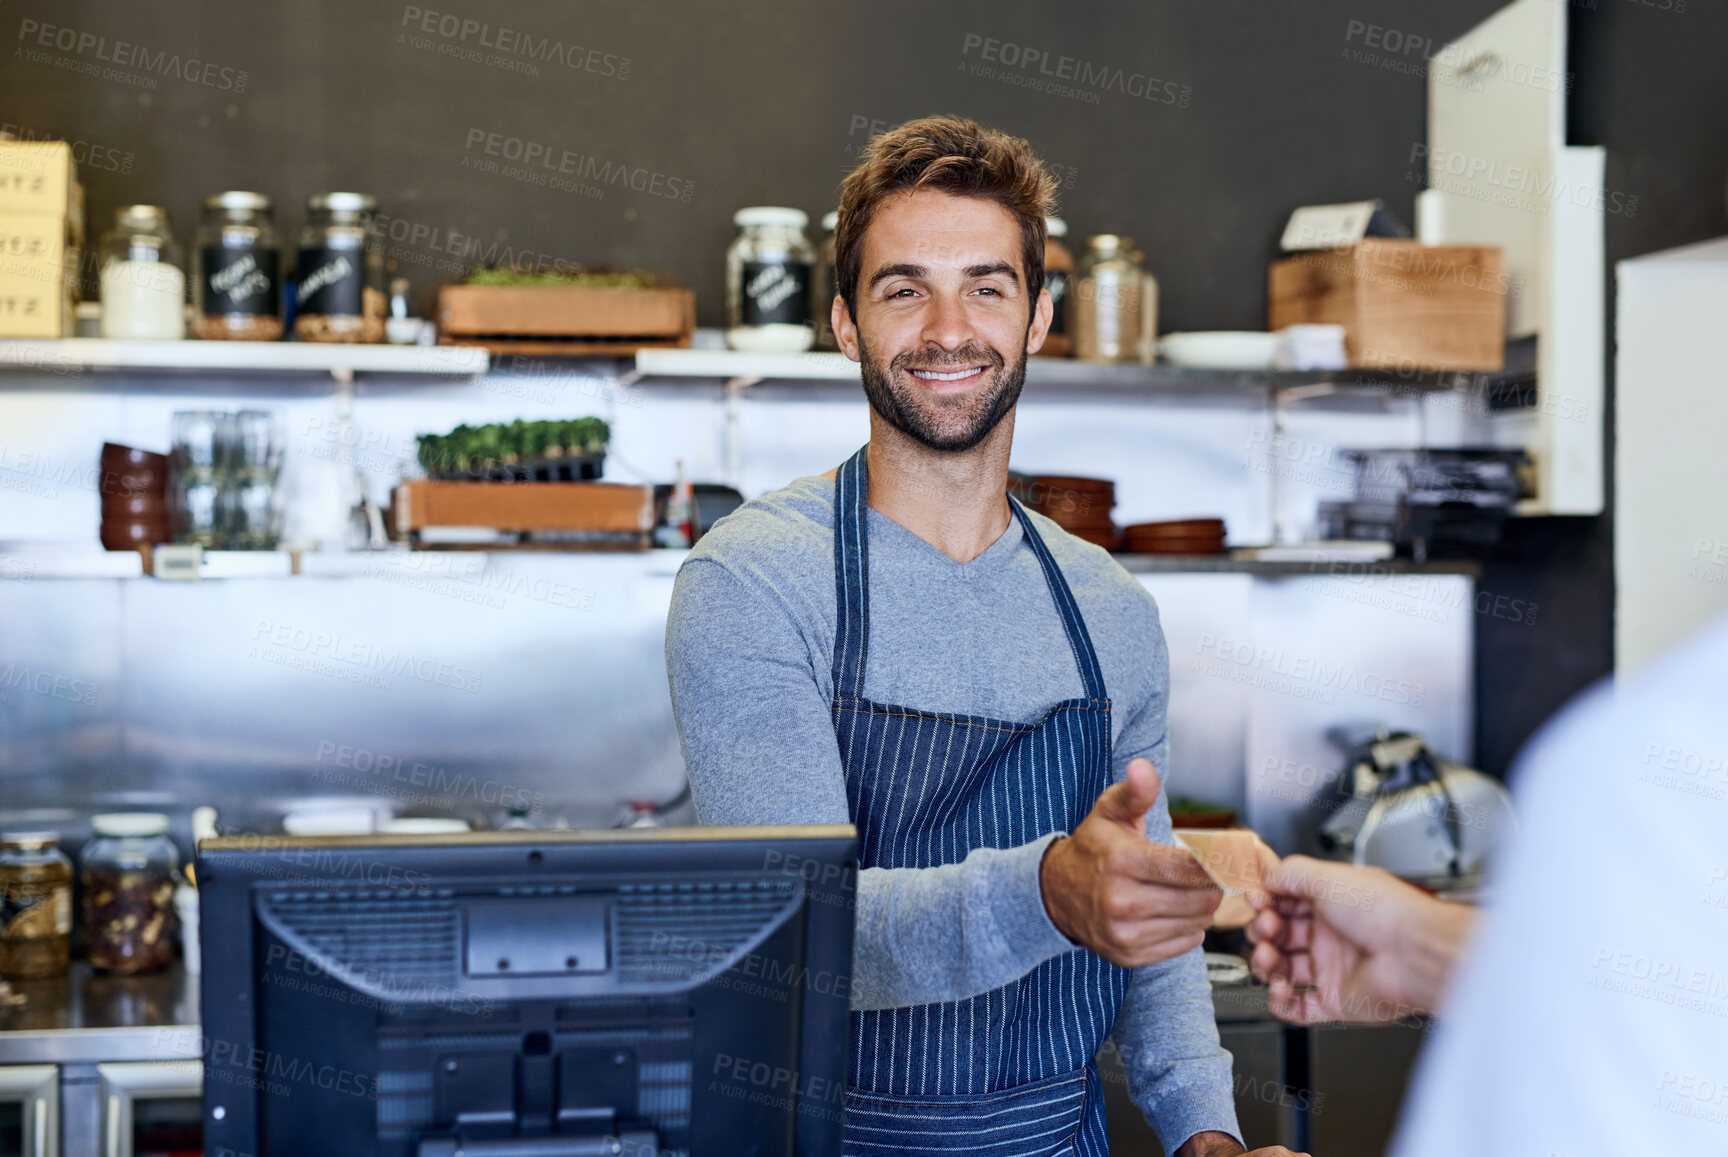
(1126, 898)
(1341, 943)
(1212, 1144)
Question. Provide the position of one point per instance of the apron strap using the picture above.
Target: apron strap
(1085, 656)
(852, 587)
(851, 577)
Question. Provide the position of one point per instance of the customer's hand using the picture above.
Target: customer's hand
(1116, 892)
(1341, 943)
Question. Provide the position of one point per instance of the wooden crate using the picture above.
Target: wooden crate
(525, 507)
(1403, 305)
(565, 319)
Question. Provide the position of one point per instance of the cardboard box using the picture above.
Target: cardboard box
(38, 276)
(1403, 305)
(39, 177)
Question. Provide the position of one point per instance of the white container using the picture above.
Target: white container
(423, 826)
(768, 273)
(142, 280)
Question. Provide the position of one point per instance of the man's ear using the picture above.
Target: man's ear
(845, 333)
(1043, 310)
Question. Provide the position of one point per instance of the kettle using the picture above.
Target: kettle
(1423, 818)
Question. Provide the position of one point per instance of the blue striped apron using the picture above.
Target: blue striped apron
(1009, 1071)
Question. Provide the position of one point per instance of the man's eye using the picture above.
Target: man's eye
(988, 289)
(906, 291)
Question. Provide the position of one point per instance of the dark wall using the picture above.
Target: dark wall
(1253, 108)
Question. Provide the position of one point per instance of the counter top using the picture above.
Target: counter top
(89, 1016)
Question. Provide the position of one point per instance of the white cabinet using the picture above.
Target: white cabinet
(1670, 472)
(30, 1110)
(167, 1094)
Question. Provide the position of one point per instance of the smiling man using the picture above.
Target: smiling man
(900, 645)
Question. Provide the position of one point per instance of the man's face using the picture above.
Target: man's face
(944, 320)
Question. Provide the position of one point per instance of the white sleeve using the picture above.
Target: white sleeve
(1591, 1014)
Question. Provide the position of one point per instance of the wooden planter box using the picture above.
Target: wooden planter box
(565, 319)
(613, 513)
(1403, 305)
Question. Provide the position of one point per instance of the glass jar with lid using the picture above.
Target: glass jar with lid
(142, 277)
(237, 270)
(340, 295)
(130, 870)
(35, 906)
(768, 282)
(1114, 302)
(1058, 274)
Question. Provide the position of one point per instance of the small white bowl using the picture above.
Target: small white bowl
(422, 826)
(1220, 350)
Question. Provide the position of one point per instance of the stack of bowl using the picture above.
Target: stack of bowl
(134, 487)
(1081, 506)
(1180, 536)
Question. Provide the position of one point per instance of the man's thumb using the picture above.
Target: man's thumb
(1129, 801)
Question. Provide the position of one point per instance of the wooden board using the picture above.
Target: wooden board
(525, 506)
(662, 315)
(1403, 305)
(568, 347)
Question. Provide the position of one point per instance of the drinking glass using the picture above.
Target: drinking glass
(197, 464)
(251, 494)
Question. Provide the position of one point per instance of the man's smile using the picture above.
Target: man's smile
(961, 377)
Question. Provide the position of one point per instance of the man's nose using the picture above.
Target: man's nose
(946, 324)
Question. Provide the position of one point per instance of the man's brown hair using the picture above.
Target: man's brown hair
(952, 155)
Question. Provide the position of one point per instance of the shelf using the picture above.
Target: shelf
(22, 563)
(1355, 568)
(68, 357)
(813, 366)
(819, 374)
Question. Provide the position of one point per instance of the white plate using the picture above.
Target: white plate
(1220, 350)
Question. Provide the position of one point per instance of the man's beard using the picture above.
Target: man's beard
(941, 422)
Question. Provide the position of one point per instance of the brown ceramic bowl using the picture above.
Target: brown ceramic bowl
(130, 534)
(125, 470)
(146, 507)
(1177, 529)
(114, 454)
(1211, 545)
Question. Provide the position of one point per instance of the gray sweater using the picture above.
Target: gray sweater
(749, 655)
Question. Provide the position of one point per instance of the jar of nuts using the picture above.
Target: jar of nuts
(237, 275)
(130, 870)
(35, 906)
(341, 292)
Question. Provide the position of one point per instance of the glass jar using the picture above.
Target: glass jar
(826, 286)
(35, 906)
(199, 466)
(237, 270)
(1115, 302)
(768, 282)
(340, 296)
(248, 497)
(1058, 272)
(1148, 311)
(130, 870)
(143, 280)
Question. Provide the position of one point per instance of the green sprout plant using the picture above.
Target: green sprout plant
(470, 448)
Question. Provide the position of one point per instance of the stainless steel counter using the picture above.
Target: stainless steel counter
(90, 1017)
